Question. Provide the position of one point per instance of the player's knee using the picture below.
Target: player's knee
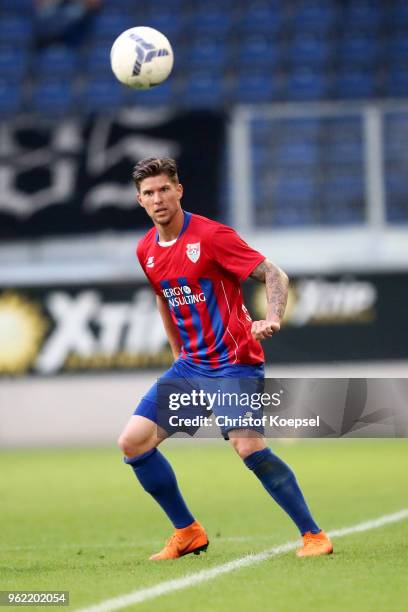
(246, 446)
(124, 444)
(131, 447)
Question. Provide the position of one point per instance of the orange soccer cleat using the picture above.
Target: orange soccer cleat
(191, 539)
(315, 544)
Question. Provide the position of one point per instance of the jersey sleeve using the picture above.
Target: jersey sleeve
(140, 252)
(232, 252)
(140, 256)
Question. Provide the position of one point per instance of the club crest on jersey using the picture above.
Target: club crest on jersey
(193, 252)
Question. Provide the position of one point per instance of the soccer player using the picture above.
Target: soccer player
(210, 336)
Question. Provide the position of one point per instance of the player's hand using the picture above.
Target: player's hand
(264, 329)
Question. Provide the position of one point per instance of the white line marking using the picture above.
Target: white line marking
(177, 584)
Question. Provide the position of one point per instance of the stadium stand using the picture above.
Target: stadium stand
(52, 96)
(237, 52)
(315, 50)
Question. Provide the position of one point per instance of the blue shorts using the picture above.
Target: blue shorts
(225, 382)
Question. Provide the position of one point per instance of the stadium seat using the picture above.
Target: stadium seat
(299, 186)
(342, 142)
(295, 130)
(109, 24)
(256, 87)
(307, 84)
(341, 213)
(14, 61)
(289, 215)
(354, 84)
(343, 152)
(397, 213)
(127, 5)
(397, 82)
(397, 48)
(343, 128)
(10, 96)
(302, 130)
(16, 27)
(165, 21)
(22, 6)
(177, 6)
(292, 186)
(57, 60)
(154, 97)
(356, 50)
(296, 153)
(103, 94)
(210, 18)
(53, 97)
(343, 197)
(396, 187)
(204, 90)
(363, 16)
(294, 137)
(257, 49)
(207, 52)
(395, 136)
(398, 14)
(396, 196)
(261, 155)
(96, 59)
(309, 50)
(260, 134)
(295, 203)
(262, 16)
(284, 198)
(314, 15)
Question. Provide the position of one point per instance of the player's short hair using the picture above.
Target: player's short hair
(153, 166)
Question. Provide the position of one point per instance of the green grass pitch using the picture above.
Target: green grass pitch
(77, 520)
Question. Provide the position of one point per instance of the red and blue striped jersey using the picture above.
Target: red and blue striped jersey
(200, 275)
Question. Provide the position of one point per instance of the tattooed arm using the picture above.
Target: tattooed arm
(276, 287)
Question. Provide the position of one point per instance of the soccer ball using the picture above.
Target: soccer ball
(141, 57)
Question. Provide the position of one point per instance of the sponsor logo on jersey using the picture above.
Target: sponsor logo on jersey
(150, 262)
(193, 251)
(178, 296)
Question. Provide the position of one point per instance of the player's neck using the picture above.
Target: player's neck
(172, 230)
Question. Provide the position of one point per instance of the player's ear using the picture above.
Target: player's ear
(180, 190)
(139, 199)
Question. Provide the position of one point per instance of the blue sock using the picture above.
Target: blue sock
(280, 482)
(156, 476)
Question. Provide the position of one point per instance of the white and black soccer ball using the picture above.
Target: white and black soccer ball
(141, 57)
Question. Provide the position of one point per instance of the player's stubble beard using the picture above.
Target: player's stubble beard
(163, 223)
(167, 219)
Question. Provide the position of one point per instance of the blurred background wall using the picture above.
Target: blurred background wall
(289, 120)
